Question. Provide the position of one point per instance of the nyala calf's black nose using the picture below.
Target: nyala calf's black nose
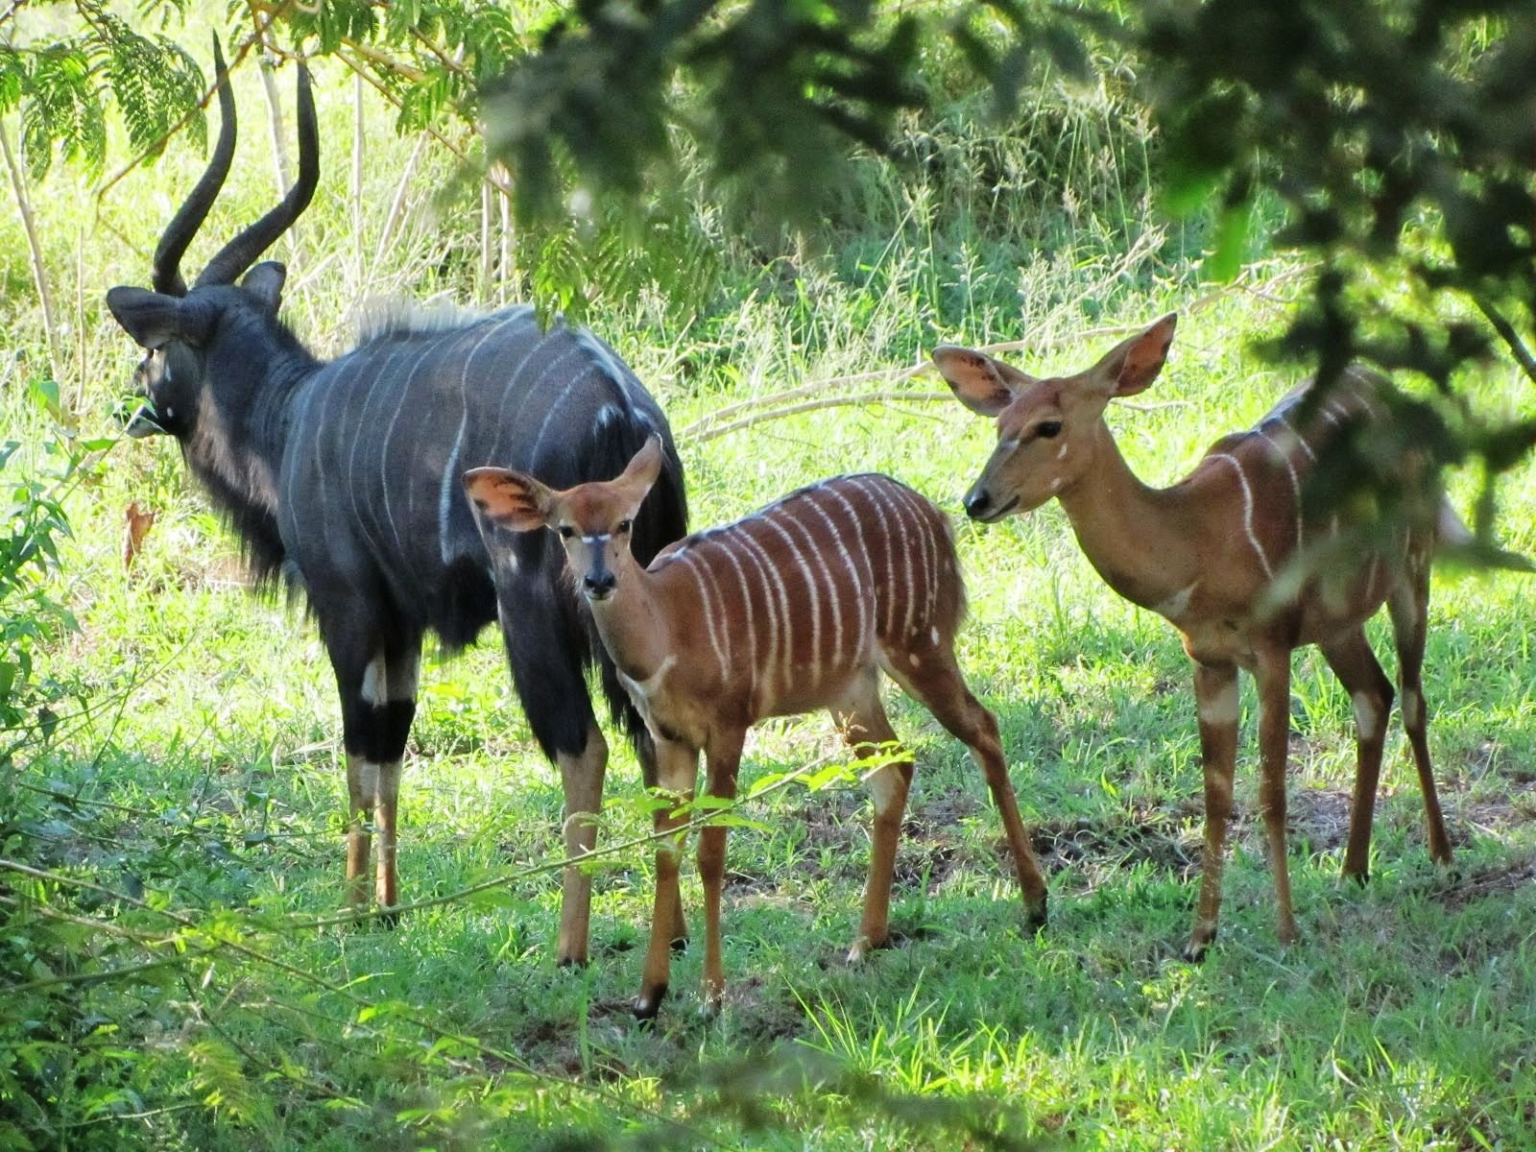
(599, 585)
(977, 503)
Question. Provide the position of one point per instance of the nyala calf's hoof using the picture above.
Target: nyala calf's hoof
(1361, 876)
(648, 1003)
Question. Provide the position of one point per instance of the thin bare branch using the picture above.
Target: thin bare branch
(1507, 333)
(34, 250)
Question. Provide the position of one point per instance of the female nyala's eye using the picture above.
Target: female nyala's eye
(566, 531)
(1049, 429)
(624, 527)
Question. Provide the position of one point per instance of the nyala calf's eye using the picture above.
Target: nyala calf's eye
(1049, 429)
(624, 527)
(566, 531)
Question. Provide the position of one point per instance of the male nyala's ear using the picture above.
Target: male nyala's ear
(509, 498)
(1131, 366)
(155, 320)
(984, 385)
(265, 282)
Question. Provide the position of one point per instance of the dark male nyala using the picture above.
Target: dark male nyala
(343, 479)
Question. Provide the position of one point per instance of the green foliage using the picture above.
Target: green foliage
(1396, 134)
(65, 86)
(31, 615)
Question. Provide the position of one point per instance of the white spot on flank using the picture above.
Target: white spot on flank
(1062, 455)
(1222, 709)
(1056, 485)
(912, 656)
(933, 634)
(1365, 715)
(1242, 479)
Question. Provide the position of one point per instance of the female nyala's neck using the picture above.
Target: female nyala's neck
(1139, 539)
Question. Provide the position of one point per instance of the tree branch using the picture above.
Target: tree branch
(1507, 332)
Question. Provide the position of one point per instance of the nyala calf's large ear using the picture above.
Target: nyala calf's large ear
(509, 498)
(644, 466)
(984, 385)
(155, 320)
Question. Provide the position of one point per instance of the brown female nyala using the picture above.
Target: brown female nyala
(1205, 554)
(800, 606)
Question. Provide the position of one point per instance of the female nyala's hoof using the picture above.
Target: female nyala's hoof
(1198, 947)
(679, 943)
(863, 946)
(574, 962)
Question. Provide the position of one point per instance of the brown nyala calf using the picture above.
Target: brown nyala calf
(1204, 554)
(797, 607)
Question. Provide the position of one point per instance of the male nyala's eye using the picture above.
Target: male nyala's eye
(1049, 429)
(624, 527)
(566, 531)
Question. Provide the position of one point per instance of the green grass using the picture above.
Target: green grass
(207, 781)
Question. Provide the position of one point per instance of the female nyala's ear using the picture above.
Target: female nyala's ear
(1131, 366)
(509, 498)
(984, 385)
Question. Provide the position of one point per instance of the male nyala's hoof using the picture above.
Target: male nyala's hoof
(1196, 950)
(709, 1010)
(1361, 876)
